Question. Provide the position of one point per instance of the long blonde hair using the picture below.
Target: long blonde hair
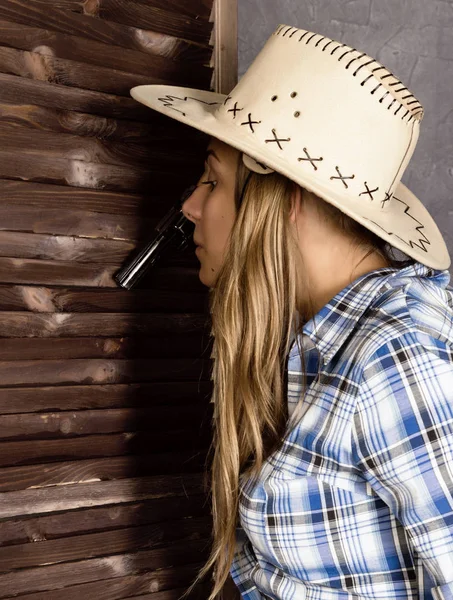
(254, 308)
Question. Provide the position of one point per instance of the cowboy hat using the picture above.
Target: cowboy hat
(329, 117)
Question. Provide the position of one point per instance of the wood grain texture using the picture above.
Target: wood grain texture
(65, 474)
(45, 67)
(42, 399)
(63, 248)
(70, 424)
(38, 298)
(42, 195)
(80, 123)
(120, 542)
(46, 168)
(23, 324)
(29, 271)
(51, 498)
(167, 346)
(15, 89)
(99, 371)
(105, 412)
(194, 8)
(170, 25)
(27, 452)
(189, 67)
(104, 518)
(73, 222)
(108, 578)
(96, 148)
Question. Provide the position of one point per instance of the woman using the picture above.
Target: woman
(333, 374)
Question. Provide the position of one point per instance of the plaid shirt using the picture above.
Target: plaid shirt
(358, 502)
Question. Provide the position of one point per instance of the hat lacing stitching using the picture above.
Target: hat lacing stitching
(417, 111)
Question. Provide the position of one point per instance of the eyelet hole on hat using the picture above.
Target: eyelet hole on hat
(274, 98)
(297, 113)
(293, 94)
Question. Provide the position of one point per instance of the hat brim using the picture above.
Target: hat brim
(410, 228)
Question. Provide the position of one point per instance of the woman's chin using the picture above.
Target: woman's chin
(206, 279)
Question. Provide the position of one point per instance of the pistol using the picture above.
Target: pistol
(172, 232)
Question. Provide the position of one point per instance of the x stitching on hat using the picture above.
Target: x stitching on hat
(278, 140)
(310, 159)
(234, 110)
(341, 177)
(368, 191)
(250, 122)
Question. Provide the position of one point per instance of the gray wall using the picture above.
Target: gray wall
(412, 38)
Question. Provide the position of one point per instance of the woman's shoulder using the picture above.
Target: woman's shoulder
(416, 313)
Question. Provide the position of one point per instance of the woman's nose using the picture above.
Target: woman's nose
(190, 209)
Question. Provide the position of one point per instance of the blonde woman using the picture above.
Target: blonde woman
(332, 475)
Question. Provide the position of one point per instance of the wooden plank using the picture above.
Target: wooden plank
(44, 67)
(45, 168)
(190, 67)
(79, 473)
(125, 131)
(194, 532)
(150, 17)
(21, 324)
(61, 424)
(64, 299)
(15, 89)
(199, 9)
(27, 452)
(130, 134)
(64, 424)
(104, 518)
(73, 222)
(186, 346)
(43, 195)
(93, 150)
(63, 248)
(71, 496)
(195, 8)
(108, 578)
(40, 272)
(52, 272)
(99, 371)
(51, 398)
(34, 13)
(15, 270)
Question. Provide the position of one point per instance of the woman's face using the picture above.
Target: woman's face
(211, 207)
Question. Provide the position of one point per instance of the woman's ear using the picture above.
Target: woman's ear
(296, 201)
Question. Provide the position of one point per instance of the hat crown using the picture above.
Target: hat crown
(330, 109)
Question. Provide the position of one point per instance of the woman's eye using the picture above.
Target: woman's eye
(212, 183)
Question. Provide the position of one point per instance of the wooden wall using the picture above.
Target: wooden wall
(105, 418)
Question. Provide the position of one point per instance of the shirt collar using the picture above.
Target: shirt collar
(330, 327)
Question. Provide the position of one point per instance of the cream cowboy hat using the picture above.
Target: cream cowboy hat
(329, 117)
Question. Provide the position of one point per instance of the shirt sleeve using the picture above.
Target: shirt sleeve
(402, 440)
(244, 562)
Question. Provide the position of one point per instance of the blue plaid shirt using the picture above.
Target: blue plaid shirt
(358, 502)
